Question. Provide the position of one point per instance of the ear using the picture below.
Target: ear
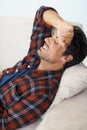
(67, 58)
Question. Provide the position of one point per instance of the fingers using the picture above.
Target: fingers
(67, 38)
(65, 35)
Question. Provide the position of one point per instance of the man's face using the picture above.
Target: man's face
(51, 51)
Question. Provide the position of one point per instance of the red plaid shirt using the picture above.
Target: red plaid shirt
(25, 98)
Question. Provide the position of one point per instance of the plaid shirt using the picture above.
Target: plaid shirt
(27, 96)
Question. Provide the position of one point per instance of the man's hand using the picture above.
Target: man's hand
(65, 33)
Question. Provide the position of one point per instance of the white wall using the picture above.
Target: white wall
(72, 10)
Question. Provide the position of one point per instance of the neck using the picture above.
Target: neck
(49, 66)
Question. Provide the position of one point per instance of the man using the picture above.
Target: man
(28, 89)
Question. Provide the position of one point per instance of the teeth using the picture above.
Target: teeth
(45, 47)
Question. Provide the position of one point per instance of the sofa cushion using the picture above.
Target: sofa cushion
(15, 35)
(68, 115)
(73, 81)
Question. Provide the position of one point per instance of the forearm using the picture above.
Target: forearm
(64, 31)
(52, 18)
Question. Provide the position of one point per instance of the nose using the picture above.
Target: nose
(51, 40)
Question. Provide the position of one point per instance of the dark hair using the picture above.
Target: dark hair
(78, 47)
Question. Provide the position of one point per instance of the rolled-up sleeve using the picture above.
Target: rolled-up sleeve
(40, 29)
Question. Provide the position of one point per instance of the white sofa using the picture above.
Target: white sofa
(69, 111)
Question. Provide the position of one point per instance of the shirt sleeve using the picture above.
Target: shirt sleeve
(40, 29)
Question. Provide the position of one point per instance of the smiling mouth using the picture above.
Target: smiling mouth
(45, 46)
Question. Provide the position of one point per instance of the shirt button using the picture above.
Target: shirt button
(7, 72)
(16, 70)
(28, 66)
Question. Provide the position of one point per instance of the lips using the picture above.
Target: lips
(45, 46)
